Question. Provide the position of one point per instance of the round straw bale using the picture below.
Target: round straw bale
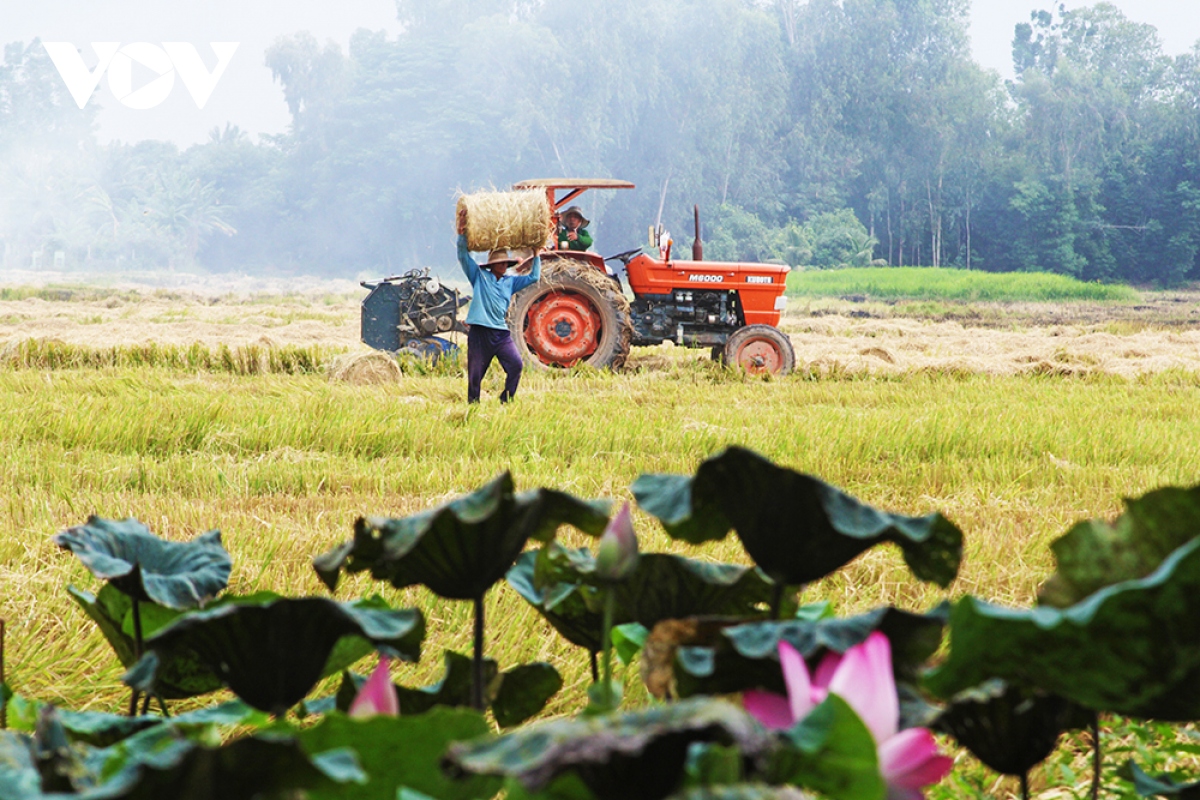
(365, 369)
(513, 220)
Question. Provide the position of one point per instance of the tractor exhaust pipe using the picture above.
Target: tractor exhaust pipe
(697, 244)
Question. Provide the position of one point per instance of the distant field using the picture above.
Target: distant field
(927, 283)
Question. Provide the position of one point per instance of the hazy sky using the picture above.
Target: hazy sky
(246, 95)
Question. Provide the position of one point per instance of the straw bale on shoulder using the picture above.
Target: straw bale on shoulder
(512, 220)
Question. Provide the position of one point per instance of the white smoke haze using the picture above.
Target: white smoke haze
(279, 139)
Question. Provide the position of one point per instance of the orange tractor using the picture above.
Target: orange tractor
(578, 312)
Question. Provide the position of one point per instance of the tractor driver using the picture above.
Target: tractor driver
(572, 230)
(487, 335)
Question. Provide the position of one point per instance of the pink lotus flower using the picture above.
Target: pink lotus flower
(617, 553)
(377, 695)
(863, 678)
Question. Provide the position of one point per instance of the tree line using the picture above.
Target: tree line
(815, 132)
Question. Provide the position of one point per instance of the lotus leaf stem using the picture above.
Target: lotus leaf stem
(595, 666)
(1025, 785)
(777, 600)
(477, 660)
(1095, 756)
(137, 652)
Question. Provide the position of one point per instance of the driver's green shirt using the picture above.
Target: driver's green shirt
(584, 242)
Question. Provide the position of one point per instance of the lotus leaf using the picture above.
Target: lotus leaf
(401, 752)
(524, 691)
(463, 547)
(176, 575)
(832, 752)
(1132, 648)
(559, 582)
(638, 755)
(271, 653)
(1162, 786)
(1010, 729)
(160, 762)
(719, 656)
(100, 729)
(1095, 553)
(797, 528)
(112, 611)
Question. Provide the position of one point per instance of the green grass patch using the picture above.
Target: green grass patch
(49, 354)
(927, 283)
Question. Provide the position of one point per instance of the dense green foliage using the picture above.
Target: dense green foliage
(926, 283)
(820, 133)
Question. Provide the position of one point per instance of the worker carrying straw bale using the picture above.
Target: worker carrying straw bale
(506, 220)
(488, 336)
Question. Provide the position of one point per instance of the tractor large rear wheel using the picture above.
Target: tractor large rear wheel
(574, 314)
(760, 349)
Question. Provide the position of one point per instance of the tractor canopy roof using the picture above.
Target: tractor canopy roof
(573, 183)
(570, 188)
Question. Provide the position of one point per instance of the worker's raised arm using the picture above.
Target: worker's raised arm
(535, 274)
(469, 267)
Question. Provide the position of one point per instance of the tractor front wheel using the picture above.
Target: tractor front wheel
(574, 314)
(760, 350)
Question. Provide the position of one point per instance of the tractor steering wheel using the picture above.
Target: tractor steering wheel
(625, 257)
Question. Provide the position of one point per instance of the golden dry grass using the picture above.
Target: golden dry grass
(845, 345)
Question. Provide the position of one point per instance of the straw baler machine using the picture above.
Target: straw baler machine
(405, 314)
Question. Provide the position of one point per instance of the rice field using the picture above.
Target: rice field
(1014, 431)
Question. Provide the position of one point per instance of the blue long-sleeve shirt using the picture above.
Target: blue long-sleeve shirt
(489, 305)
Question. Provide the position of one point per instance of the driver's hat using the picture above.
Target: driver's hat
(577, 212)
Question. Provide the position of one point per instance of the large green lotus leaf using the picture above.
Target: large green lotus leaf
(797, 528)
(561, 584)
(1162, 786)
(112, 611)
(563, 606)
(1132, 648)
(273, 652)
(523, 692)
(153, 765)
(100, 729)
(175, 575)
(19, 776)
(463, 547)
(830, 751)
(1095, 553)
(689, 657)
(401, 752)
(638, 755)
(1008, 728)
(163, 761)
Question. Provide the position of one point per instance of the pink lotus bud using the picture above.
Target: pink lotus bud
(377, 695)
(617, 553)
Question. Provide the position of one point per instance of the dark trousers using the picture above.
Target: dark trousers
(484, 344)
